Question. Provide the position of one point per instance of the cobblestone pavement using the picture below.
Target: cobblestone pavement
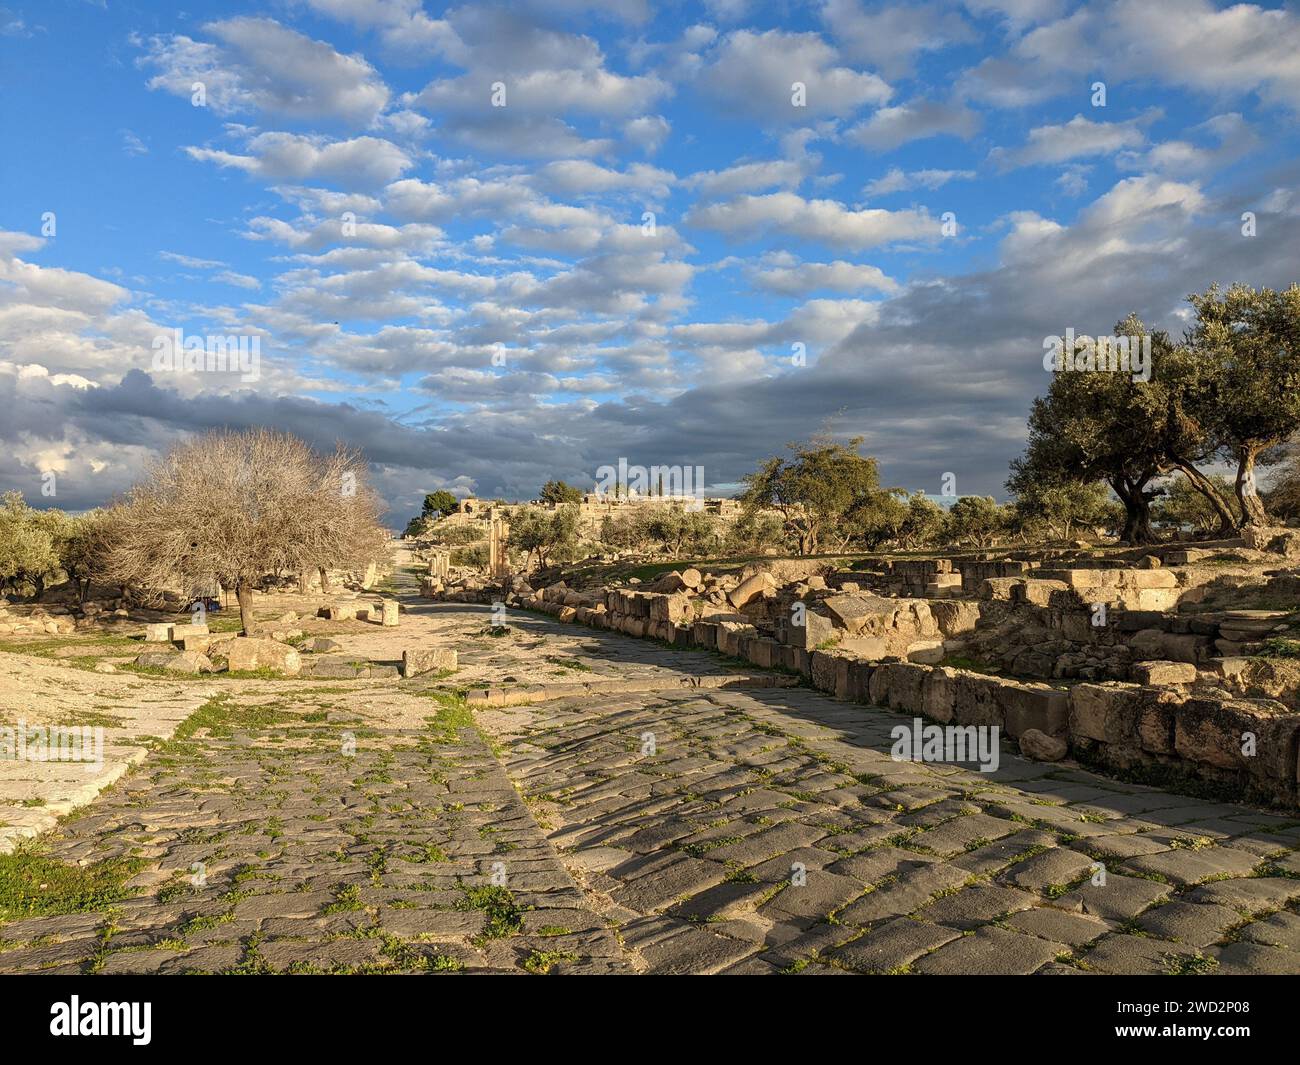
(314, 856)
(682, 831)
(906, 867)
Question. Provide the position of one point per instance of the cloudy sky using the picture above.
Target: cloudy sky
(494, 245)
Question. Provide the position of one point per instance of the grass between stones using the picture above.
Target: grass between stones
(32, 884)
(504, 917)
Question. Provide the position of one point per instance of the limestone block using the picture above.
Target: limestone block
(1164, 672)
(417, 660)
(246, 653)
(1106, 712)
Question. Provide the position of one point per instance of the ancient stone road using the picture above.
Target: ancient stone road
(368, 827)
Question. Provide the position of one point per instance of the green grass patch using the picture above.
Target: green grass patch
(453, 714)
(504, 917)
(540, 962)
(33, 884)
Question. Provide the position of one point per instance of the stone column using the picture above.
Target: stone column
(390, 612)
(498, 560)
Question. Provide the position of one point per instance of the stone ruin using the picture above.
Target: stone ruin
(1145, 660)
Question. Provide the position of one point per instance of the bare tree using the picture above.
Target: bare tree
(235, 506)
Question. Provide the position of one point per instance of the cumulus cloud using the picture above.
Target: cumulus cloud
(889, 38)
(256, 64)
(837, 276)
(754, 73)
(825, 221)
(897, 180)
(1080, 138)
(1233, 51)
(361, 162)
(916, 120)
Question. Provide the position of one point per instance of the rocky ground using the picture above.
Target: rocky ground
(377, 825)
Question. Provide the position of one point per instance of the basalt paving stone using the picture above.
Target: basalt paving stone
(670, 946)
(956, 836)
(1251, 894)
(1276, 930)
(903, 839)
(1046, 922)
(817, 895)
(1245, 958)
(681, 877)
(1128, 845)
(909, 889)
(892, 946)
(1192, 866)
(1009, 850)
(991, 951)
(379, 861)
(1050, 869)
(874, 865)
(1118, 898)
(1196, 924)
(971, 907)
(1127, 955)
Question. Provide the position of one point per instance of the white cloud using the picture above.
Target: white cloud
(916, 120)
(359, 162)
(890, 38)
(1080, 138)
(837, 276)
(260, 65)
(754, 73)
(580, 177)
(752, 177)
(826, 221)
(897, 180)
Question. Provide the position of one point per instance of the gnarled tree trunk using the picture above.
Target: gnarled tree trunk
(1252, 507)
(1137, 510)
(1228, 521)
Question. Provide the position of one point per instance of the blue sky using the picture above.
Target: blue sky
(469, 292)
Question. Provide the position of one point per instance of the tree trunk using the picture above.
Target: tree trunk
(1252, 507)
(1228, 522)
(324, 579)
(244, 596)
(1137, 511)
(38, 586)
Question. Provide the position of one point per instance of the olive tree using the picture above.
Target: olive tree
(28, 553)
(816, 491)
(1250, 338)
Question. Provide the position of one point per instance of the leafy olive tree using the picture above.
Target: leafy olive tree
(1250, 340)
(545, 536)
(978, 520)
(28, 553)
(557, 492)
(815, 490)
